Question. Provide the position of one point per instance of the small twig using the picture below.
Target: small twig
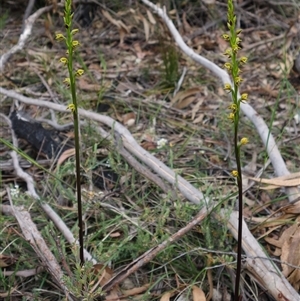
(28, 11)
(53, 97)
(60, 252)
(178, 86)
(24, 273)
(210, 278)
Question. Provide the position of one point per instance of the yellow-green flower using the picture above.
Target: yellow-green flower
(225, 36)
(233, 107)
(235, 48)
(231, 116)
(71, 107)
(235, 173)
(74, 31)
(63, 60)
(238, 40)
(238, 31)
(75, 43)
(79, 72)
(244, 141)
(59, 37)
(244, 97)
(227, 66)
(238, 80)
(228, 52)
(227, 87)
(67, 81)
(243, 60)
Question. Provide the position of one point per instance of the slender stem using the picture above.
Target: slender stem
(239, 168)
(78, 173)
(76, 130)
(78, 183)
(240, 209)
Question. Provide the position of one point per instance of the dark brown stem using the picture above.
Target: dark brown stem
(240, 209)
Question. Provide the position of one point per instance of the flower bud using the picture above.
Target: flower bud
(59, 37)
(244, 141)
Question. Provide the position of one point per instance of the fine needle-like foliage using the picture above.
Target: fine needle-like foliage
(70, 81)
(234, 68)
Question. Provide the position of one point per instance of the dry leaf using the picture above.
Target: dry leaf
(65, 155)
(187, 27)
(198, 294)
(198, 119)
(123, 29)
(85, 86)
(185, 102)
(290, 251)
(184, 98)
(128, 119)
(293, 209)
(288, 246)
(136, 290)
(150, 17)
(146, 28)
(285, 181)
(209, 1)
(115, 234)
(139, 53)
(149, 145)
(166, 296)
(6, 260)
(117, 23)
(104, 274)
(196, 107)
